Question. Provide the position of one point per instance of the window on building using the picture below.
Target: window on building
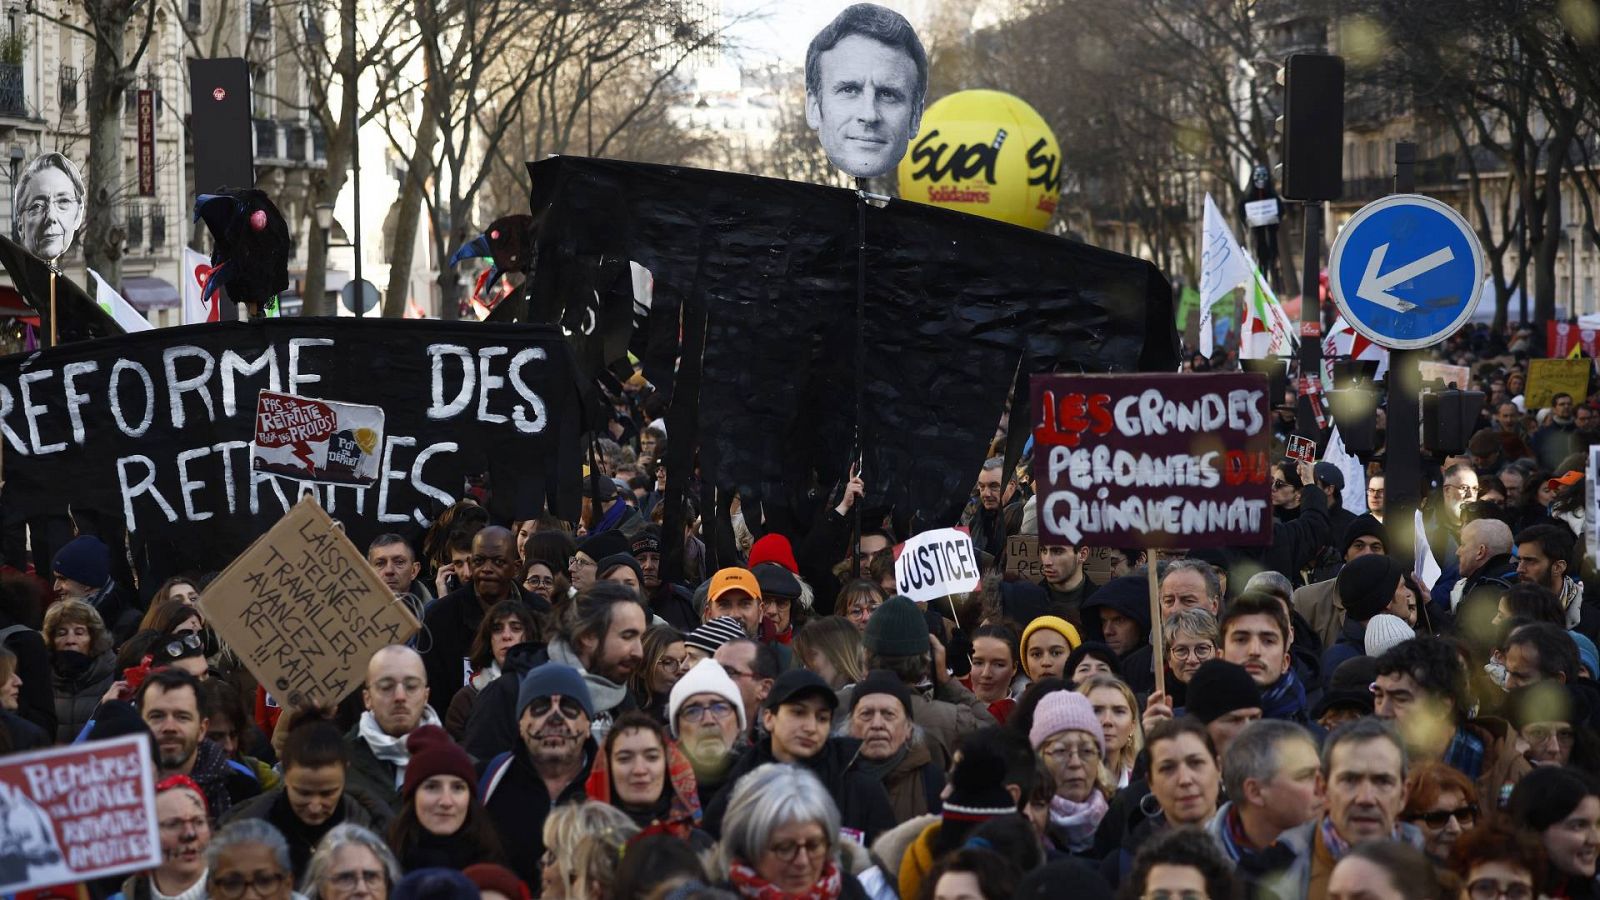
(69, 88)
(134, 223)
(158, 227)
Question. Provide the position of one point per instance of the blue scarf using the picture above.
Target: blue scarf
(1286, 699)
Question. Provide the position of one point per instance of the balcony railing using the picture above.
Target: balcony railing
(158, 228)
(13, 96)
(69, 88)
(267, 139)
(134, 223)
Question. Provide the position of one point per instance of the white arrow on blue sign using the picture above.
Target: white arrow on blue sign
(1406, 271)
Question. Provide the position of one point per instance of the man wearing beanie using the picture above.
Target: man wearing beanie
(672, 603)
(796, 720)
(453, 619)
(82, 570)
(548, 768)
(1367, 587)
(1319, 603)
(897, 640)
(708, 637)
(894, 750)
(585, 567)
(706, 717)
(992, 776)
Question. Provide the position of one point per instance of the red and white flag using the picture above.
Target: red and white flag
(196, 269)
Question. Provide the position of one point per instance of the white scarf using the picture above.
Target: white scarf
(481, 679)
(389, 748)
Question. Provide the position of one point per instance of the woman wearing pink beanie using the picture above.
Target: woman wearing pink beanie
(1068, 737)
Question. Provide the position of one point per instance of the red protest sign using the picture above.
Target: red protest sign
(77, 813)
(1302, 449)
(317, 440)
(1152, 460)
(1562, 338)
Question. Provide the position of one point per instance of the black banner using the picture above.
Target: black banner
(765, 272)
(154, 428)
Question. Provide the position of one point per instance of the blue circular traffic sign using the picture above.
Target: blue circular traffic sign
(1406, 271)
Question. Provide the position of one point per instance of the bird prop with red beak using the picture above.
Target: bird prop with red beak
(250, 256)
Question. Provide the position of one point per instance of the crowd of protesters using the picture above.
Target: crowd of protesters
(572, 721)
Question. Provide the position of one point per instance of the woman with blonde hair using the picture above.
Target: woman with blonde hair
(831, 647)
(1117, 709)
(81, 663)
(564, 830)
(1066, 734)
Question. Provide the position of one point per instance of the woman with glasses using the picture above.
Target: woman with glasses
(666, 658)
(1495, 863)
(351, 863)
(643, 774)
(1560, 806)
(249, 857)
(856, 601)
(1118, 711)
(506, 624)
(1191, 637)
(780, 837)
(1443, 803)
(1068, 737)
(184, 828)
(831, 647)
(539, 577)
(441, 823)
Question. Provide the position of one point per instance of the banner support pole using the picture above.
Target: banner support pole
(1157, 650)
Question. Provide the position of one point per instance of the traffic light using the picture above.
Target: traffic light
(1447, 419)
(1355, 411)
(1313, 127)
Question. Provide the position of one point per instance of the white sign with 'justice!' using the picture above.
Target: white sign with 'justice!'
(936, 564)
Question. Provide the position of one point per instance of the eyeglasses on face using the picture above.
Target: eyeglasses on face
(1198, 651)
(1465, 816)
(539, 581)
(1541, 734)
(232, 886)
(174, 649)
(698, 712)
(1465, 490)
(541, 706)
(578, 562)
(1491, 889)
(789, 851)
(1279, 484)
(673, 663)
(1061, 753)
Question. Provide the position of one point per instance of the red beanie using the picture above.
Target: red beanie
(434, 753)
(773, 548)
(497, 878)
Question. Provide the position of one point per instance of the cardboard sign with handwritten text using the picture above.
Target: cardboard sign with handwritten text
(304, 610)
(1022, 557)
(1548, 377)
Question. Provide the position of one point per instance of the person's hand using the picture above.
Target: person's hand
(1156, 708)
(118, 691)
(439, 586)
(941, 672)
(854, 490)
(1308, 473)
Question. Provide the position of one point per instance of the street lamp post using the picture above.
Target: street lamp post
(1573, 231)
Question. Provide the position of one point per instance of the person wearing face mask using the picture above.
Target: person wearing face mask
(313, 798)
(185, 829)
(506, 624)
(642, 773)
(442, 824)
(81, 661)
(894, 750)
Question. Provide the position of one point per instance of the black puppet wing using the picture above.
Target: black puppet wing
(250, 256)
(79, 318)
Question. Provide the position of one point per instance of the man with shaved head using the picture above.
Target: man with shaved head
(395, 694)
(1484, 560)
(453, 620)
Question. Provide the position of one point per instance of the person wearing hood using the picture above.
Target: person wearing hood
(81, 664)
(442, 823)
(1124, 606)
(796, 720)
(82, 570)
(601, 635)
(894, 749)
(1363, 766)
(453, 620)
(672, 603)
(1319, 602)
(547, 768)
(642, 773)
(313, 798)
(1369, 586)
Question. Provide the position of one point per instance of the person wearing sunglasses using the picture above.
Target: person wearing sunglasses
(1443, 803)
(1497, 863)
(248, 858)
(547, 768)
(351, 863)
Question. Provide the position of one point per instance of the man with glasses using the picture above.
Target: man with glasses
(753, 667)
(395, 694)
(547, 768)
(706, 715)
(584, 567)
(453, 619)
(1376, 495)
(796, 720)
(1444, 519)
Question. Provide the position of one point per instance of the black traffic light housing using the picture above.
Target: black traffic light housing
(1313, 127)
(1448, 417)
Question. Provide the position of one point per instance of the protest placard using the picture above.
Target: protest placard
(1460, 376)
(316, 440)
(1548, 377)
(1152, 460)
(76, 813)
(1564, 339)
(1302, 449)
(1591, 521)
(1022, 557)
(936, 564)
(304, 610)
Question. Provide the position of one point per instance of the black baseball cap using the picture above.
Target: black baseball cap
(797, 683)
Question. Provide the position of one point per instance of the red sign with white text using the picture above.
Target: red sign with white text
(1147, 460)
(1562, 337)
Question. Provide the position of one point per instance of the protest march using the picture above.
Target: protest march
(769, 538)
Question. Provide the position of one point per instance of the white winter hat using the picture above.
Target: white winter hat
(1385, 631)
(707, 677)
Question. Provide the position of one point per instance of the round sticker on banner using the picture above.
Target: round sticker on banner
(1406, 271)
(218, 94)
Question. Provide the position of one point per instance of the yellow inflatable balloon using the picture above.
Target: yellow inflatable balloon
(986, 153)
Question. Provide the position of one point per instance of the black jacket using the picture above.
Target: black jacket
(675, 604)
(492, 727)
(863, 804)
(36, 699)
(452, 621)
(518, 803)
(273, 806)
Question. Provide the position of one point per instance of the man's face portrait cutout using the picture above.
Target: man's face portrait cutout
(866, 76)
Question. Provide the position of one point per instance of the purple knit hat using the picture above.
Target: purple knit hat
(1065, 711)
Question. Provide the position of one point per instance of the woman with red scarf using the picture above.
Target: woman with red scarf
(642, 773)
(780, 838)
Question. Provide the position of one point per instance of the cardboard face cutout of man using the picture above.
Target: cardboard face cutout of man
(47, 210)
(866, 77)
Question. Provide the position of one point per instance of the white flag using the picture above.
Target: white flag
(1267, 330)
(116, 307)
(1223, 267)
(196, 269)
(1426, 569)
(1354, 496)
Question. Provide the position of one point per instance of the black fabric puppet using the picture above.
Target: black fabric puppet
(251, 253)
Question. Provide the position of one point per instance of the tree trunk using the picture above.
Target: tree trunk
(327, 188)
(1544, 298)
(405, 230)
(104, 231)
